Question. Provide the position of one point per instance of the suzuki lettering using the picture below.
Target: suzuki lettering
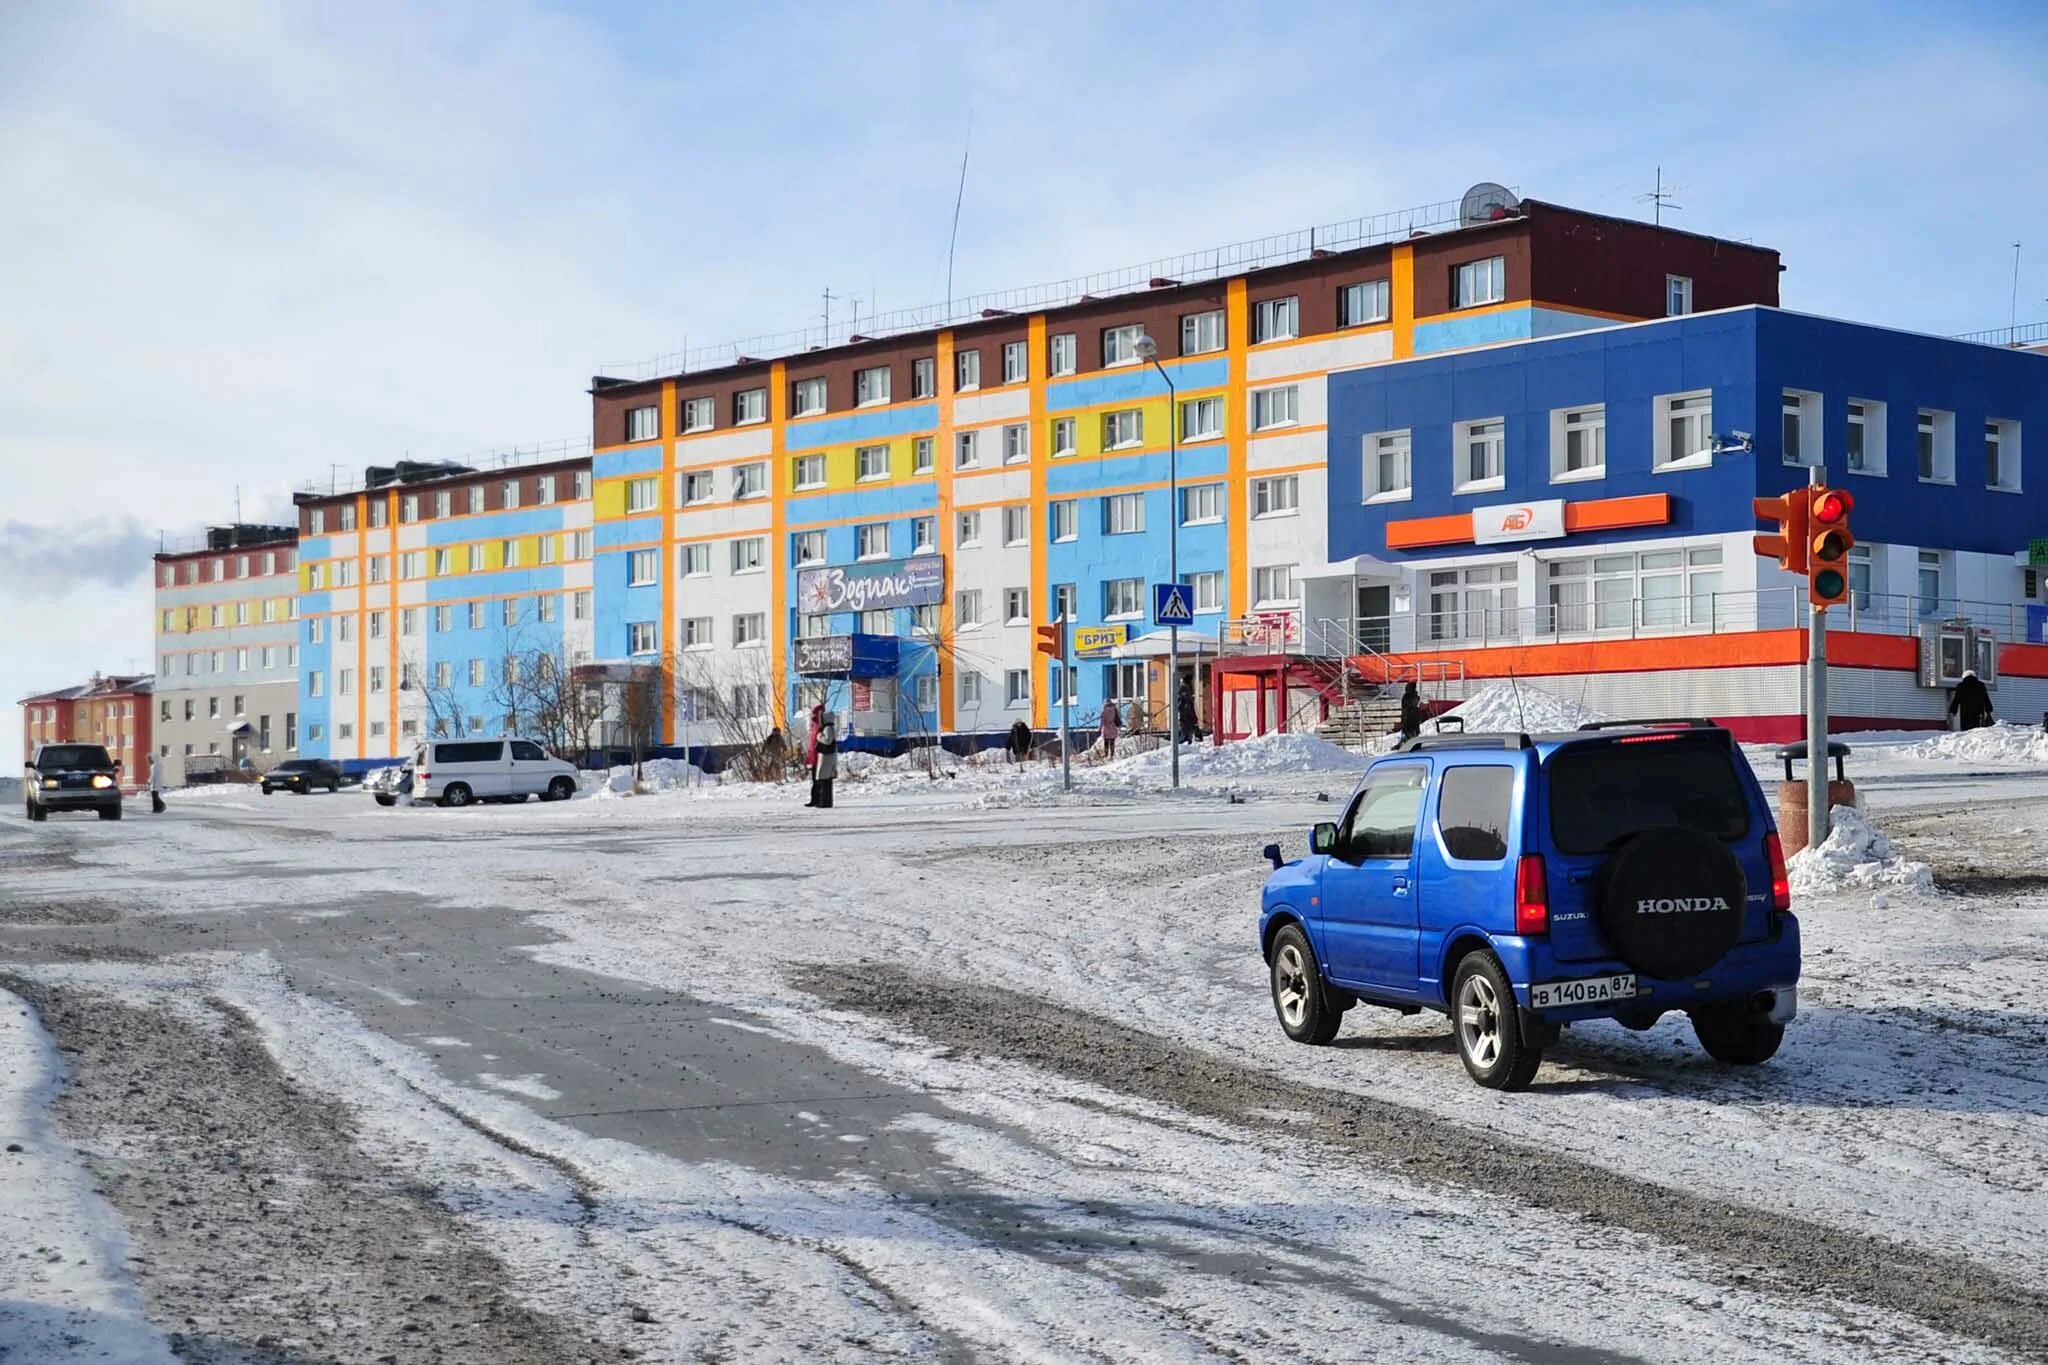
(918, 582)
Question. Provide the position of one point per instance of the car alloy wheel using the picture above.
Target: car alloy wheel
(1290, 985)
(1479, 1021)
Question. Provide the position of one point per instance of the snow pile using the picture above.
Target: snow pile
(1999, 743)
(656, 775)
(1855, 857)
(1517, 706)
(1261, 756)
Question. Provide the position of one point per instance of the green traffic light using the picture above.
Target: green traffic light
(1829, 583)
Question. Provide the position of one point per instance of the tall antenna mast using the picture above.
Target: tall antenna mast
(829, 296)
(2013, 317)
(958, 195)
(1660, 199)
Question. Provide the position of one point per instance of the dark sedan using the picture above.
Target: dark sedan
(302, 775)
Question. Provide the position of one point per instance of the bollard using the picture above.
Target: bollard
(1792, 805)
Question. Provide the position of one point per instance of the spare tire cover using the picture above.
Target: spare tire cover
(1671, 901)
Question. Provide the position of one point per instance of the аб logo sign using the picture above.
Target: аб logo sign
(1517, 519)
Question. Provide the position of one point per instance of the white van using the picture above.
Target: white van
(455, 772)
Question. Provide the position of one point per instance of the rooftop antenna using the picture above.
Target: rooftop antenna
(2012, 320)
(1660, 198)
(829, 296)
(959, 195)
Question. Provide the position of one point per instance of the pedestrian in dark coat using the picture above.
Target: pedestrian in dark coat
(1020, 742)
(1972, 699)
(1411, 712)
(827, 769)
(811, 749)
(1185, 715)
(1110, 724)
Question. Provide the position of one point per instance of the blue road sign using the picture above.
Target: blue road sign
(1173, 604)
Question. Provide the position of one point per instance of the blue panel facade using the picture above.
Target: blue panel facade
(856, 427)
(316, 731)
(1135, 383)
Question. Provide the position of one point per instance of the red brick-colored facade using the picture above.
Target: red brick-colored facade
(114, 711)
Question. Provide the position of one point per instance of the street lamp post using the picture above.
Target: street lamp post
(1148, 349)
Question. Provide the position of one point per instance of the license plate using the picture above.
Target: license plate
(1591, 990)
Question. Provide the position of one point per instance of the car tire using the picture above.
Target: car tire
(1486, 1021)
(384, 800)
(456, 794)
(1300, 1001)
(110, 812)
(561, 789)
(1737, 1036)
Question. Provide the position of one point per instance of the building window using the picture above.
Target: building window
(1928, 599)
(642, 495)
(871, 463)
(408, 512)
(749, 554)
(699, 414)
(348, 523)
(1066, 352)
(1677, 295)
(1387, 466)
(1017, 687)
(810, 627)
(749, 405)
(969, 530)
(808, 471)
(871, 540)
(1684, 434)
(699, 485)
(1065, 684)
(1481, 455)
(509, 611)
(1017, 606)
(967, 609)
(376, 684)
(409, 621)
(1201, 419)
(1208, 591)
(1276, 319)
(316, 525)
(1936, 433)
(1016, 443)
(1017, 525)
(344, 686)
(379, 513)
(640, 638)
(1477, 603)
(1367, 301)
(643, 424)
(477, 674)
(1276, 497)
(1123, 597)
(546, 489)
(1477, 282)
(967, 370)
(1864, 444)
(1799, 440)
(871, 386)
(921, 459)
(749, 628)
(1201, 504)
(1279, 407)
(880, 621)
(924, 535)
(696, 632)
(1122, 430)
(750, 481)
(2002, 456)
(316, 685)
(1859, 576)
(696, 561)
(970, 689)
(924, 378)
(809, 547)
(579, 605)
(1578, 443)
(1066, 521)
(967, 450)
(476, 498)
(508, 553)
(1123, 514)
(1063, 436)
(1273, 586)
(476, 616)
(376, 625)
(550, 549)
(1120, 344)
(807, 397)
(1014, 353)
(1201, 333)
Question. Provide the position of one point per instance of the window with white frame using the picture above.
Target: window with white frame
(966, 450)
(1063, 438)
(1017, 687)
(1207, 589)
(1014, 361)
(1864, 443)
(1124, 429)
(749, 405)
(411, 564)
(1480, 452)
(696, 560)
(1472, 604)
(1799, 440)
(1279, 496)
(1276, 319)
(809, 547)
(1066, 521)
(1578, 442)
(579, 484)
(408, 513)
(1278, 407)
(579, 605)
(1123, 514)
(409, 621)
(696, 632)
(871, 386)
(1066, 601)
(1273, 586)
(510, 611)
(476, 617)
(926, 691)
(871, 463)
(1123, 682)
(1477, 282)
(642, 495)
(476, 498)
(548, 608)
(1017, 606)
(810, 627)
(807, 471)
(749, 628)
(1387, 465)
(1201, 503)
(643, 424)
(508, 554)
(477, 673)
(1928, 597)
(699, 414)
(1935, 432)
(749, 554)
(871, 540)
(1017, 525)
(2002, 455)
(1063, 684)
(967, 369)
(1016, 443)
(1365, 302)
(1065, 353)
(750, 700)
(967, 609)
(750, 481)
(1120, 344)
(1677, 295)
(1685, 429)
(1201, 419)
(316, 524)
(1201, 333)
(921, 459)
(347, 512)
(379, 572)
(344, 682)
(316, 684)
(344, 573)
(924, 377)
(807, 397)
(1860, 576)
(1123, 598)
(444, 673)
(970, 689)
(924, 535)
(969, 529)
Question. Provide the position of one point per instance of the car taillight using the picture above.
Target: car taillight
(1781, 883)
(422, 775)
(1532, 896)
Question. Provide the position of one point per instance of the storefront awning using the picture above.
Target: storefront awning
(1155, 644)
(1358, 566)
(238, 727)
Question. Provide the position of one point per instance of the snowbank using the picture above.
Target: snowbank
(1518, 706)
(656, 775)
(1855, 857)
(1261, 756)
(1999, 743)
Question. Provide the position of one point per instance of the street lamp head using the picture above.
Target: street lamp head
(1145, 348)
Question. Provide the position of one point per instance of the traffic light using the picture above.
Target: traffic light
(1827, 522)
(1052, 640)
(1788, 546)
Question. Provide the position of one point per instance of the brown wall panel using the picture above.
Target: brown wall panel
(1613, 265)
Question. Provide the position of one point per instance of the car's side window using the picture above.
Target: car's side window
(527, 751)
(1472, 807)
(1381, 822)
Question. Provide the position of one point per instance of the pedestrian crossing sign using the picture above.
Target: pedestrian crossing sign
(1173, 604)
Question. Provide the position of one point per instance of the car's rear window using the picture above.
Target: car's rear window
(297, 765)
(474, 751)
(1602, 793)
(73, 756)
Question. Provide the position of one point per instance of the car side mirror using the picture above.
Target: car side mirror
(1271, 853)
(1323, 838)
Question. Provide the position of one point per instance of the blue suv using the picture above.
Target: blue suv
(1520, 884)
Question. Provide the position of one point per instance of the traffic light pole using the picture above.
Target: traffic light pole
(1066, 708)
(1817, 821)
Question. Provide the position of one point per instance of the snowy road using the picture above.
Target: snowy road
(974, 1074)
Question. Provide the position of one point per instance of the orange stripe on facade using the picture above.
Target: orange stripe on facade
(1403, 291)
(1748, 649)
(391, 678)
(942, 470)
(670, 415)
(1041, 572)
(1237, 327)
(778, 552)
(1416, 532)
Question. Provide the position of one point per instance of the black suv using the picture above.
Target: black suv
(71, 777)
(302, 775)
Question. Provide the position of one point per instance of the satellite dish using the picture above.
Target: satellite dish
(1487, 202)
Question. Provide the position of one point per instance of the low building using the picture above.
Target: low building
(113, 710)
(227, 652)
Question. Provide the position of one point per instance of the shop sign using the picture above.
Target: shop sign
(915, 582)
(1270, 628)
(819, 656)
(1099, 639)
(863, 696)
(2037, 552)
(1518, 521)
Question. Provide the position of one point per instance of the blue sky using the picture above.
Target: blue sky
(247, 242)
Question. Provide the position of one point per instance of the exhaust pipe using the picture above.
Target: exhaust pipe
(1763, 1002)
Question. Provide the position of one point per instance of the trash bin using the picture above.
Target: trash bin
(1792, 806)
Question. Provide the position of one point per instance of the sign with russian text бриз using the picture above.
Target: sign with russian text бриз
(1099, 639)
(916, 582)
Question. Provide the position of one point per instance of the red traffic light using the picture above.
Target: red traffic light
(1052, 640)
(1833, 505)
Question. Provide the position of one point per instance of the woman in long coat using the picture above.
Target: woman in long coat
(827, 769)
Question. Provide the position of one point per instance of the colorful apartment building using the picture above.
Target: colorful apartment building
(879, 523)
(227, 652)
(113, 710)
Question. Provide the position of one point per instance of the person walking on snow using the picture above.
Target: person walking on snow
(1020, 742)
(1134, 717)
(1111, 723)
(156, 787)
(1973, 699)
(1190, 724)
(1411, 712)
(826, 769)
